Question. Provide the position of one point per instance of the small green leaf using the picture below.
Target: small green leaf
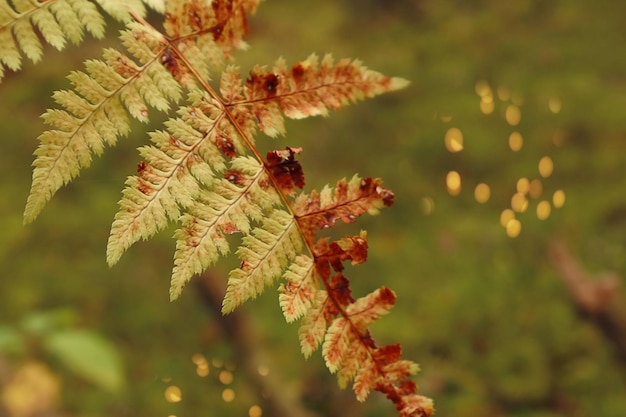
(88, 355)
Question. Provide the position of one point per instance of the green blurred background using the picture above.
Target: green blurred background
(482, 307)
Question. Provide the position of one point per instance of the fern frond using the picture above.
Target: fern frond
(93, 115)
(314, 323)
(299, 293)
(309, 88)
(57, 20)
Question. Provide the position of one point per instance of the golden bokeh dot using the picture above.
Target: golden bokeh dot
(454, 140)
(513, 228)
(519, 202)
(228, 395)
(217, 362)
(198, 359)
(558, 198)
(516, 141)
(546, 166)
(453, 183)
(487, 106)
(506, 216)
(543, 210)
(255, 411)
(482, 192)
(513, 115)
(225, 377)
(173, 394)
(554, 104)
(535, 188)
(523, 185)
(263, 370)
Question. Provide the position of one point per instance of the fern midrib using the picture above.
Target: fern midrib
(295, 93)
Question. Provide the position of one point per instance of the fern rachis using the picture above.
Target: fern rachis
(204, 171)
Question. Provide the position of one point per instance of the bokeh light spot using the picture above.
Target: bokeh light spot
(482, 192)
(513, 115)
(516, 141)
(546, 166)
(513, 228)
(263, 370)
(558, 198)
(554, 104)
(173, 394)
(519, 203)
(255, 411)
(523, 185)
(226, 377)
(543, 210)
(454, 140)
(506, 216)
(228, 395)
(487, 106)
(453, 183)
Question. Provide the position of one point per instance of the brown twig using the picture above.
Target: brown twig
(278, 400)
(599, 299)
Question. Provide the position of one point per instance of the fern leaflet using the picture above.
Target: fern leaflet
(57, 20)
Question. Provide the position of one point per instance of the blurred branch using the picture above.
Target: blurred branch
(599, 298)
(240, 332)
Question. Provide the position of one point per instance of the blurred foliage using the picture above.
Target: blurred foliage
(484, 314)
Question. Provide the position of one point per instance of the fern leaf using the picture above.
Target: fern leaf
(347, 201)
(314, 323)
(347, 329)
(225, 209)
(181, 161)
(56, 20)
(310, 88)
(206, 32)
(93, 115)
(265, 253)
(121, 10)
(296, 296)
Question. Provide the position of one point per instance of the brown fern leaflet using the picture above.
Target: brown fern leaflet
(204, 172)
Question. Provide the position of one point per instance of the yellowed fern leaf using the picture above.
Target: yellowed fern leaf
(93, 115)
(297, 294)
(264, 254)
(121, 10)
(57, 20)
(225, 209)
(181, 161)
(309, 88)
(314, 323)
